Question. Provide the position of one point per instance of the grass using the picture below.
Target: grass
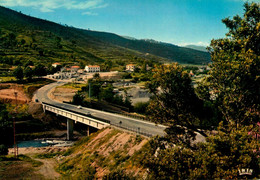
(21, 168)
(10, 159)
(47, 155)
(83, 159)
(30, 160)
(75, 86)
(21, 108)
(7, 79)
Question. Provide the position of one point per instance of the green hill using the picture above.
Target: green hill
(24, 38)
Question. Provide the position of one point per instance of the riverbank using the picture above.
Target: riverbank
(37, 150)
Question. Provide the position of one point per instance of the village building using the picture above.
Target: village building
(56, 65)
(74, 68)
(130, 67)
(92, 68)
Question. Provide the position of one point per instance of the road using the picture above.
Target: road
(144, 126)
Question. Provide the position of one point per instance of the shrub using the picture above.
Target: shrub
(3, 150)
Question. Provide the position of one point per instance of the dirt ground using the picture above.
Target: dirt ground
(63, 94)
(8, 95)
(46, 170)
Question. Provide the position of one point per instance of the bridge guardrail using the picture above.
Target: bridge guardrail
(103, 120)
(135, 130)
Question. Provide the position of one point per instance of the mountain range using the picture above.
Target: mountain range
(26, 38)
(199, 48)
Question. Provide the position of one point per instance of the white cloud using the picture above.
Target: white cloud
(90, 13)
(51, 5)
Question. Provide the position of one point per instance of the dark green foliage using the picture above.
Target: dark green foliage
(78, 99)
(28, 73)
(234, 79)
(6, 130)
(18, 73)
(141, 107)
(94, 86)
(176, 103)
(220, 157)
(107, 93)
(3, 149)
(28, 63)
(230, 93)
(40, 70)
(127, 76)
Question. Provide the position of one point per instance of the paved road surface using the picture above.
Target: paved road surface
(144, 126)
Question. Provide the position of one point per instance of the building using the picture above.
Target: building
(92, 68)
(74, 68)
(130, 67)
(56, 64)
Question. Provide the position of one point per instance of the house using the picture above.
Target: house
(56, 65)
(191, 73)
(74, 68)
(92, 68)
(130, 67)
(81, 71)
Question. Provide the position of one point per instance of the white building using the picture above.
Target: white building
(130, 67)
(92, 68)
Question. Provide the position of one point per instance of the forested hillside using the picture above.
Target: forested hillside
(24, 38)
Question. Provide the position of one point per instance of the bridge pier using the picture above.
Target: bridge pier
(69, 129)
(87, 130)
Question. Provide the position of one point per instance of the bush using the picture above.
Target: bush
(140, 107)
(3, 150)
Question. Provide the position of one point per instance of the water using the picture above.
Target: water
(32, 143)
(44, 143)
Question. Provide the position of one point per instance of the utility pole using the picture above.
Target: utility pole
(15, 145)
(89, 90)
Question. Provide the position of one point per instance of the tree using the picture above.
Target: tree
(18, 73)
(40, 70)
(234, 78)
(5, 126)
(221, 156)
(28, 73)
(174, 102)
(28, 63)
(78, 98)
(3, 150)
(107, 93)
(96, 76)
(108, 65)
(94, 86)
(233, 86)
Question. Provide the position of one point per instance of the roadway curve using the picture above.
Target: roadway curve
(144, 126)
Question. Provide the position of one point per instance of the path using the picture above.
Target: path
(48, 168)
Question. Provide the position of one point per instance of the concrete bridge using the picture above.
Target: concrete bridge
(92, 117)
(75, 116)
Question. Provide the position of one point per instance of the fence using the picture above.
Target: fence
(135, 130)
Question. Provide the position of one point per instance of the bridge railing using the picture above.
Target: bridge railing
(104, 120)
(135, 130)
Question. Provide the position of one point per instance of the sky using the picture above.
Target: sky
(180, 22)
